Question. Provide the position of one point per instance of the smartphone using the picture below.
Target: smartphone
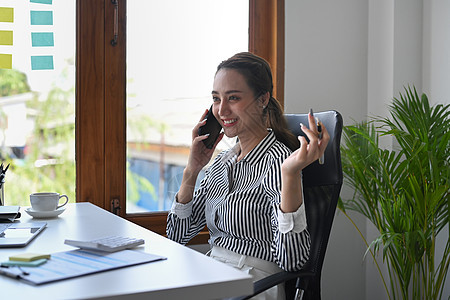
(212, 127)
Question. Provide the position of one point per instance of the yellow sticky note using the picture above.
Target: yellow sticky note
(29, 256)
(5, 61)
(6, 37)
(6, 14)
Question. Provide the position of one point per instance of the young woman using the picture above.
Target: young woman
(251, 197)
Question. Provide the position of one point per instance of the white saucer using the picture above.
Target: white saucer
(45, 214)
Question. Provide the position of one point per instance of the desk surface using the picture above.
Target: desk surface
(186, 274)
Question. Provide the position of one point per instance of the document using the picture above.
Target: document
(63, 265)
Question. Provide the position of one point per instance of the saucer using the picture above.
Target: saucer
(45, 214)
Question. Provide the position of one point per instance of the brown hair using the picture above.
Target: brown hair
(258, 75)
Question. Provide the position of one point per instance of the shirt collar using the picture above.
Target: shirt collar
(256, 153)
(260, 150)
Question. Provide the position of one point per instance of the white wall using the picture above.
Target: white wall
(436, 50)
(324, 41)
(355, 56)
(326, 68)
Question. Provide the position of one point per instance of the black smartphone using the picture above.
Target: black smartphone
(212, 127)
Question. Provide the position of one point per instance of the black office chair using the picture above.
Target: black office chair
(321, 188)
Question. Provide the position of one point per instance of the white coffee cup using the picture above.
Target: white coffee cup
(46, 201)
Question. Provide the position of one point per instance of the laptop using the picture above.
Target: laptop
(19, 234)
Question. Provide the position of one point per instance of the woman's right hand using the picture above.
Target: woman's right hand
(199, 155)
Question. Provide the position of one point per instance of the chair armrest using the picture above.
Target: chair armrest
(273, 280)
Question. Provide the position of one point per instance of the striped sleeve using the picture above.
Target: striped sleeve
(289, 248)
(185, 221)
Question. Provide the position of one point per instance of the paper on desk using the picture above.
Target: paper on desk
(63, 265)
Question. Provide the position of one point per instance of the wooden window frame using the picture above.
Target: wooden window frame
(101, 98)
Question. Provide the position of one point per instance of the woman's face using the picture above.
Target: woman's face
(235, 106)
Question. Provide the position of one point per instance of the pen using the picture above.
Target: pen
(319, 130)
(3, 171)
(12, 273)
(2, 181)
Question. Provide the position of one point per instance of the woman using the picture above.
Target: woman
(251, 197)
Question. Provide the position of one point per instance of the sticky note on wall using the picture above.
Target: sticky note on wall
(41, 1)
(6, 37)
(42, 39)
(6, 14)
(5, 61)
(39, 17)
(42, 62)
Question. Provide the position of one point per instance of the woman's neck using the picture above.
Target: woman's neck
(248, 143)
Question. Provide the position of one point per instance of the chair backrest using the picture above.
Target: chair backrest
(321, 187)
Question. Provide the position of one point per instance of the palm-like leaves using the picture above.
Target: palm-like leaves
(404, 192)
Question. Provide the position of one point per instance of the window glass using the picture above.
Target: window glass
(173, 49)
(37, 80)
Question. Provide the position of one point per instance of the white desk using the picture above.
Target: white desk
(186, 274)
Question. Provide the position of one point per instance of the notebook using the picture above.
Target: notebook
(9, 213)
(19, 234)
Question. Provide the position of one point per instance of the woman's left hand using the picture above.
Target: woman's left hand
(308, 152)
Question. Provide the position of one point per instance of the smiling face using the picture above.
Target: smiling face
(236, 107)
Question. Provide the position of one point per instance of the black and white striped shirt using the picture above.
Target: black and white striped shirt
(239, 202)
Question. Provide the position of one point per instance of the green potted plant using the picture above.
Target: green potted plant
(403, 191)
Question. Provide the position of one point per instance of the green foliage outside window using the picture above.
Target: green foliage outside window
(13, 82)
(49, 161)
(48, 164)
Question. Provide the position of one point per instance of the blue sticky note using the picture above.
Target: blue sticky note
(41, 17)
(41, 1)
(42, 39)
(42, 62)
(34, 263)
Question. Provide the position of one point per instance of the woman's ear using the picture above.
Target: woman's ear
(264, 99)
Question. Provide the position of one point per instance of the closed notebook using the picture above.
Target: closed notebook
(9, 213)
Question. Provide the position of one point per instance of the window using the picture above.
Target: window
(37, 98)
(171, 58)
(101, 96)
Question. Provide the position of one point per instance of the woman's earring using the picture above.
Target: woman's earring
(263, 107)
